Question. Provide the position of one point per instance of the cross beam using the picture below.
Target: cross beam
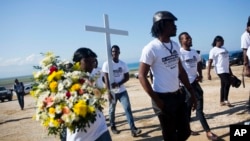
(107, 32)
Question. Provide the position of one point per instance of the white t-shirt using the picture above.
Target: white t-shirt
(95, 130)
(119, 69)
(163, 64)
(189, 60)
(220, 57)
(245, 40)
(245, 44)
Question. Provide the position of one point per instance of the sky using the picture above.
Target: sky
(31, 27)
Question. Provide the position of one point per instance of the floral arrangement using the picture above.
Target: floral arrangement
(65, 96)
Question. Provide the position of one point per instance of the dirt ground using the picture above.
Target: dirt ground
(16, 124)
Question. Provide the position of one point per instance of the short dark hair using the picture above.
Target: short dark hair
(115, 46)
(248, 22)
(83, 52)
(182, 33)
(217, 38)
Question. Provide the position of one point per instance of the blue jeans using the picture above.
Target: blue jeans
(104, 137)
(20, 98)
(124, 100)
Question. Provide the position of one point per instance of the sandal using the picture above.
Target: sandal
(228, 104)
(212, 137)
(223, 104)
(193, 133)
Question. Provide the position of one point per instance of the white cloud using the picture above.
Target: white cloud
(31, 59)
(18, 66)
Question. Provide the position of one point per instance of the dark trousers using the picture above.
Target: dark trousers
(174, 118)
(199, 109)
(20, 98)
(225, 86)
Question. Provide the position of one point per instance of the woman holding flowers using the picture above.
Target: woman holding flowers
(70, 96)
(97, 131)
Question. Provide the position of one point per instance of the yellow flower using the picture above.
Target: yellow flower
(75, 87)
(46, 122)
(51, 76)
(32, 93)
(52, 110)
(53, 86)
(77, 66)
(91, 109)
(59, 74)
(80, 108)
(49, 53)
(55, 123)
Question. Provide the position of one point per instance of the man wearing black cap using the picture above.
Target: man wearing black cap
(161, 57)
(245, 44)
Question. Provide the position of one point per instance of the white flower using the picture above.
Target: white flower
(37, 74)
(57, 93)
(58, 109)
(42, 86)
(60, 86)
(67, 83)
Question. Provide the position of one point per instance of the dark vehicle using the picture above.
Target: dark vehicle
(5, 94)
(203, 61)
(236, 57)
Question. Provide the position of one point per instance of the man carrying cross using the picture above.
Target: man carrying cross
(109, 76)
(121, 76)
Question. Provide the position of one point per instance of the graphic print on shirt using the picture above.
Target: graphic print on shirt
(191, 62)
(224, 54)
(117, 72)
(171, 61)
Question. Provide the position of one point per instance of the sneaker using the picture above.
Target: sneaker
(135, 132)
(114, 130)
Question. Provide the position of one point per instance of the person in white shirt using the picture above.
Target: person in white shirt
(121, 76)
(245, 44)
(191, 62)
(220, 56)
(161, 57)
(98, 130)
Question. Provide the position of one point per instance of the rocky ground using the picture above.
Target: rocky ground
(16, 124)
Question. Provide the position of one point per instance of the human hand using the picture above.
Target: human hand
(114, 85)
(199, 78)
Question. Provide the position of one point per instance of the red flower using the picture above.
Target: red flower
(81, 81)
(68, 94)
(52, 69)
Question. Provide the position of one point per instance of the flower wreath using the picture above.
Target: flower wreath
(65, 96)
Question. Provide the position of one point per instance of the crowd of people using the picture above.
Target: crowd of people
(174, 89)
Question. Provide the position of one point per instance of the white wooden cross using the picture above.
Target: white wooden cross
(107, 32)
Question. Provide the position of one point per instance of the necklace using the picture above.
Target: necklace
(171, 49)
